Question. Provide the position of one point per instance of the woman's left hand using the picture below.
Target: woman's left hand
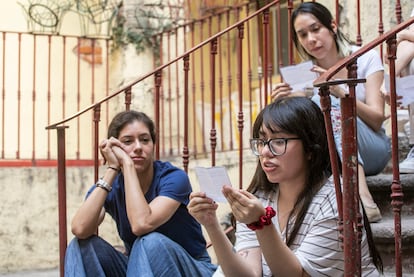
(387, 98)
(318, 69)
(335, 90)
(121, 155)
(245, 206)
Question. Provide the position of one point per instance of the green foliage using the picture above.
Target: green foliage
(144, 32)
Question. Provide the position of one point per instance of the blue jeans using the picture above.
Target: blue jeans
(151, 255)
(374, 148)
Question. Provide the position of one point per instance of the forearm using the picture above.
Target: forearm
(407, 34)
(90, 214)
(281, 260)
(137, 207)
(87, 219)
(370, 116)
(405, 54)
(232, 263)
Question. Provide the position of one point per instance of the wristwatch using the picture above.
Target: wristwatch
(103, 184)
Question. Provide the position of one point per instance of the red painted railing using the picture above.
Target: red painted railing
(349, 218)
(229, 64)
(189, 99)
(53, 73)
(45, 78)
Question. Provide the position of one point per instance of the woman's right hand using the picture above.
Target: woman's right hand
(387, 98)
(280, 90)
(105, 147)
(203, 209)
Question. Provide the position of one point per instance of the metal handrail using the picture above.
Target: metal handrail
(161, 67)
(96, 107)
(350, 201)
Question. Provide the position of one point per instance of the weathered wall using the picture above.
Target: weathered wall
(29, 210)
(29, 215)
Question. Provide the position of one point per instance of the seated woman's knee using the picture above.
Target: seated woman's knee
(151, 241)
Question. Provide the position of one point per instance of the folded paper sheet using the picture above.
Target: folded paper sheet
(211, 181)
(299, 76)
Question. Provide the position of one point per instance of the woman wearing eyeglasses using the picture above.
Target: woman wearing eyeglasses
(287, 219)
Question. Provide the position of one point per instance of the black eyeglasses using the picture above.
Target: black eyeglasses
(277, 146)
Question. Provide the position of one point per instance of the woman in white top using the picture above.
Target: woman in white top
(317, 38)
(404, 66)
(404, 63)
(297, 233)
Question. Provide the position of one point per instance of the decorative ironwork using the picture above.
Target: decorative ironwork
(97, 17)
(140, 26)
(44, 16)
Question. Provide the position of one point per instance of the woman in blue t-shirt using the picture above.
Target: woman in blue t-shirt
(147, 199)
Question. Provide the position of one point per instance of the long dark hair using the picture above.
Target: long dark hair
(343, 45)
(126, 117)
(301, 117)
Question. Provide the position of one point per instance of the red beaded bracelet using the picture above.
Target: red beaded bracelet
(263, 220)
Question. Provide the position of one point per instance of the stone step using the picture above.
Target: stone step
(383, 233)
(403, 149)
(392, 274)
(380, 188)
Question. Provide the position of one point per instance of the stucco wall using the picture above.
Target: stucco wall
(29, 210)
(29, 215)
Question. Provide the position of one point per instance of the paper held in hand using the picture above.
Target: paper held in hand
(299, 76)
(211, 180)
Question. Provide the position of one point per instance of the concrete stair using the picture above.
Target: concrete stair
(383, 231)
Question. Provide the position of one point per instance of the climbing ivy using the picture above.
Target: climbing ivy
(144, 31)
